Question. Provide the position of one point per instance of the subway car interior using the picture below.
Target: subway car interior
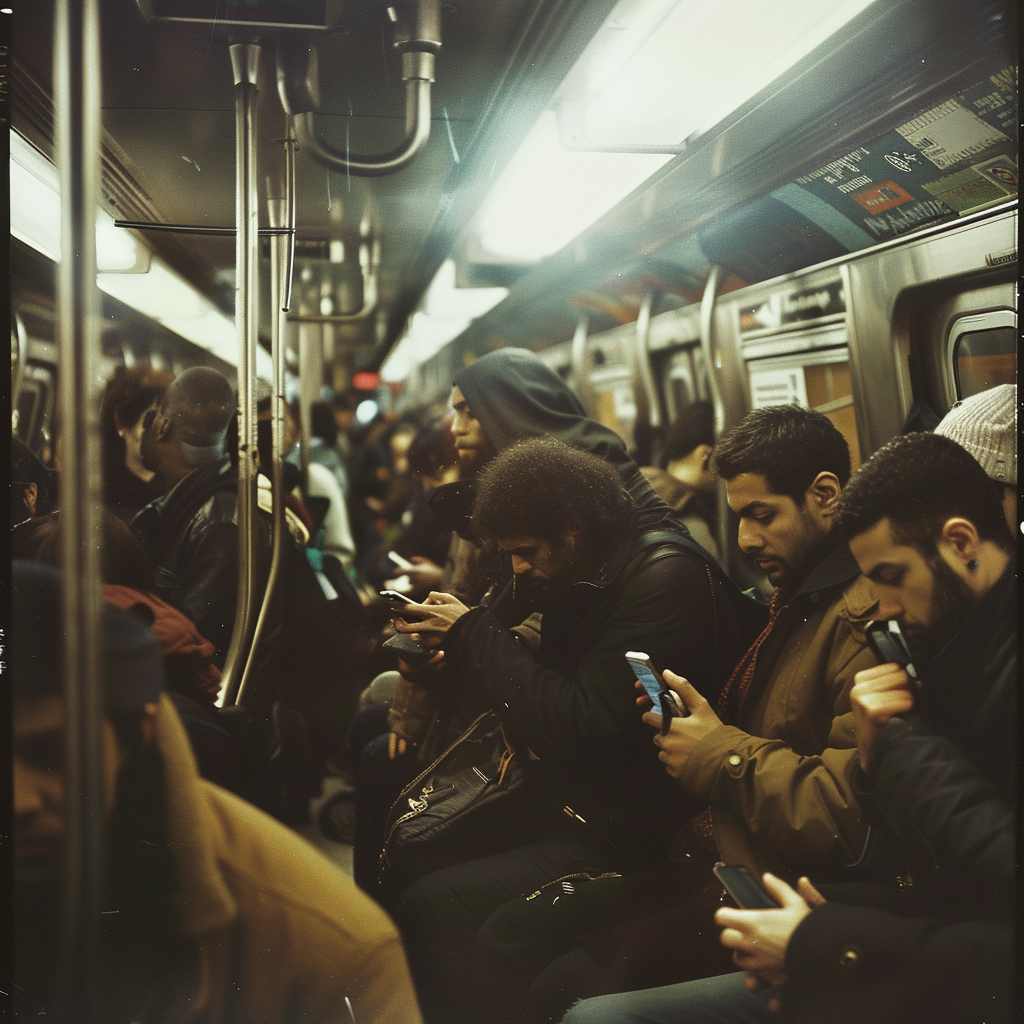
(340, 206)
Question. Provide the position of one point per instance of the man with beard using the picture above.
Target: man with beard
(605, 586)
(774, 755)
(211, 911)
(937, 760)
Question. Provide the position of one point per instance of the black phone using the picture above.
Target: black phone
(746, 891)
(657, 689)
(889, 645)
(408, 649)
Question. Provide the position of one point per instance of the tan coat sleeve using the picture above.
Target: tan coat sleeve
(801, 810)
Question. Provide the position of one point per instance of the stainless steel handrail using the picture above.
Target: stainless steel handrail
(21, 337)
(707, 333)
(245, 65)
(647, 392)
(282, 248)
(78, 87)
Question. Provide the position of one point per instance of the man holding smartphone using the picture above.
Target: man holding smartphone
(937, 760)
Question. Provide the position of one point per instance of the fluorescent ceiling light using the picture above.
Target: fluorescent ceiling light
(444, 313)
(166, 297)
(548, 195)
(35, 213)
(657, 73)
(161, 294)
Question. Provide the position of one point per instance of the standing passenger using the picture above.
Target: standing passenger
(191, 531)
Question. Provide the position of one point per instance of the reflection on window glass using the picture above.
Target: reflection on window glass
(985, 359)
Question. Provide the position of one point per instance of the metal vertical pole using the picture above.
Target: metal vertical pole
(309, 349)
(245, 65)
(77, 78)
(282, 250)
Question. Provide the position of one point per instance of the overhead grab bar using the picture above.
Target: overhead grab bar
(369, 266)
(245, 65)
(418, 39)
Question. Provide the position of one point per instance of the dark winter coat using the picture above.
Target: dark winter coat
(944, 785)
(573, 704)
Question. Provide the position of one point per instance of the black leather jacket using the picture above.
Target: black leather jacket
(191, 533)
(573, 703)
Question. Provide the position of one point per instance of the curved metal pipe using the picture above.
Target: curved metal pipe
(707, 331)
(370, 298)
(245, 64)
(282, 252)
(77, 80)
(417, 120)
(648, 393)
(21, 337)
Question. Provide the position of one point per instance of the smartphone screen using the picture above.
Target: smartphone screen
(395, 598)
(746, 891)
(402, 563)
(645, 672)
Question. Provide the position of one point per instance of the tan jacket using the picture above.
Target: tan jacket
(782, 786)
(282, 934)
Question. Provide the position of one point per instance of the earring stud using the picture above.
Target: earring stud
(972, 564)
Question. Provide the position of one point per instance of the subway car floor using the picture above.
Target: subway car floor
(339, 853)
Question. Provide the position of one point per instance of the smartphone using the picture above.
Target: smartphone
(889, 645)
(402, 563)
(393, 598)
(661, 696)
(746, 891)
(408, 649)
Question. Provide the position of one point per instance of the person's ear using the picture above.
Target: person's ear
(824, 492)
(960, 538)
(703, 452)
(31, 497)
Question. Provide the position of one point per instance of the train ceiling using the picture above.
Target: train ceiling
(168, 118)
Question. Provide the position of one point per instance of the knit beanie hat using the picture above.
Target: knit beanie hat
(986, 425)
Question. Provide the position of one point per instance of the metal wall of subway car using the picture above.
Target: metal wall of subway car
(754, 203)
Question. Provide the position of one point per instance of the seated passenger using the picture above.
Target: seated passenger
(938, 757)
(686, 479)
(774, 755)
(213, 911)
(986, 425)
(605, 586)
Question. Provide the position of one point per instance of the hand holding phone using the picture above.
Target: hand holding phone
(746, 891)
(657, 689)
(889, 645)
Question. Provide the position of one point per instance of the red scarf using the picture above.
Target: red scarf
(730, 700)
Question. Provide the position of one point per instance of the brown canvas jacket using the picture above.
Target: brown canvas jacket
(782, 785)
(281, 933)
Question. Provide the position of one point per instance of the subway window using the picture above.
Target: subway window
(983, 359)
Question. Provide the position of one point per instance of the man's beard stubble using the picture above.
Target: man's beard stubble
(952, 603)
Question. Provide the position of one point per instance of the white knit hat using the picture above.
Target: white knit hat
(986, 425)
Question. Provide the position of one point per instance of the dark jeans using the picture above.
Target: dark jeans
(650, 927)
(721, 1000)
(441, 915)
